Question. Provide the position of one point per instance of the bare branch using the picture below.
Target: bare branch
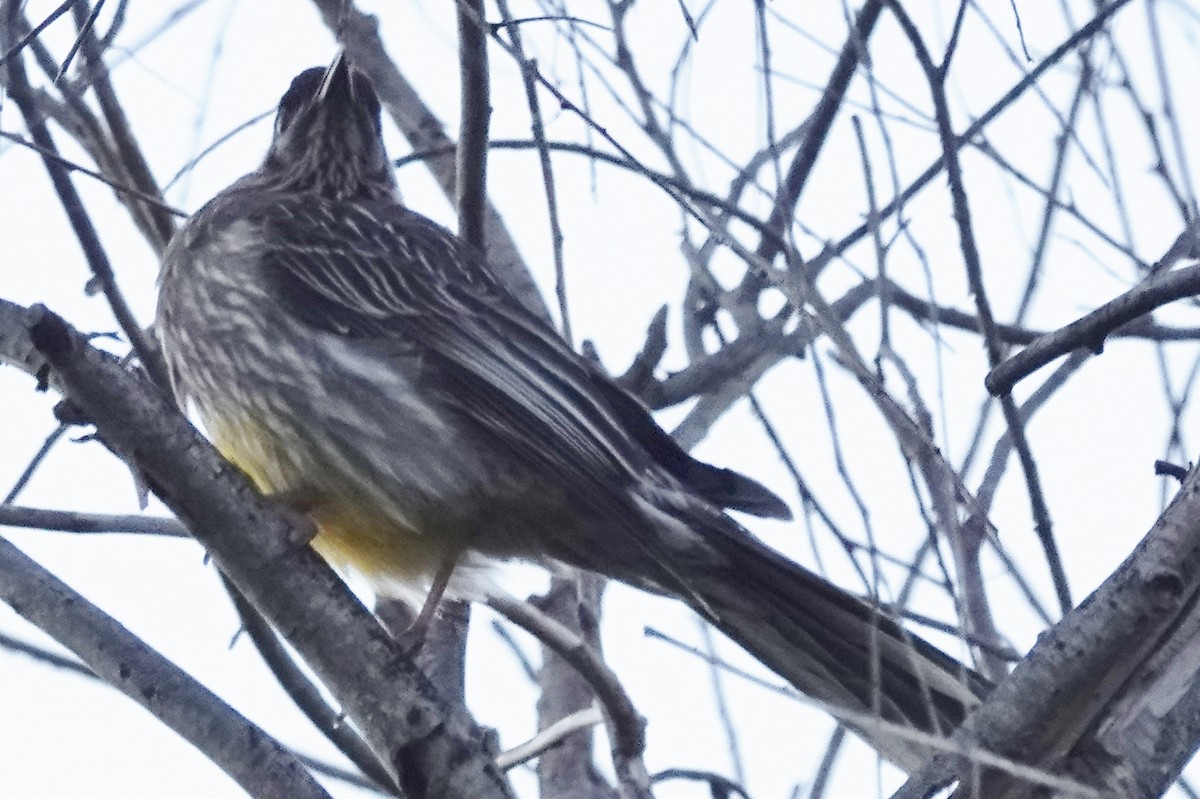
(626, 726)
(1090, 331)
(242, 750)
(427, 743)
(550, 737)
(475, 110)
(22, 94)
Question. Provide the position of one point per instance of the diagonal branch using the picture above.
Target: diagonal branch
(432, 748)
(89, 240)
(241, 749)
(1099, 656)
(1090, 331)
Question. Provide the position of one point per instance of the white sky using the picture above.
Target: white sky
(62, 735)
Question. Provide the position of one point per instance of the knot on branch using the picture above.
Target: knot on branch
(1165, 589)
(50, 335)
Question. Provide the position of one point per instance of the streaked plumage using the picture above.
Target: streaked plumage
(360, 360)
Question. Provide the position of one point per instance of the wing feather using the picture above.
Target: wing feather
(394, 277)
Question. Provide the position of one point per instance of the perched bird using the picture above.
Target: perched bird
(366, 366)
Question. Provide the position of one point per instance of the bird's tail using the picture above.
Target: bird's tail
(829, 644)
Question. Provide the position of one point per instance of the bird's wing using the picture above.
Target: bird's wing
(384, 273)
(386, 276)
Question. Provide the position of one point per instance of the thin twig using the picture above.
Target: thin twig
(77, 522)
(550, 737)
(38, 459)
(700, 196)
(91, 173)
(306, 695)
(936, 77)
(528, 68)
(36, 31)
(85, 29)
(89, 240)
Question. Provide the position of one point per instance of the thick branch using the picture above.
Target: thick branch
(433, 749)
(1096, 658)
(239, 748)
(475, 111)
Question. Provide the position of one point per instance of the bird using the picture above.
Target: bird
(366, 366)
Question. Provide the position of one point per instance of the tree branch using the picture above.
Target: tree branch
(253, 759)
(434, 749)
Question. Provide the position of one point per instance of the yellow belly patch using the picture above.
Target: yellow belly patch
(353, 532)
(355, 537)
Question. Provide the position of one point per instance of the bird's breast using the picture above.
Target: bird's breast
(355, 531)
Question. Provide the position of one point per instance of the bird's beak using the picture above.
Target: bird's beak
(337, 83)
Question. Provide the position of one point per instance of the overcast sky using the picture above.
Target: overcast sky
(227, 62)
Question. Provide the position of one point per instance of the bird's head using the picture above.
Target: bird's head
(328, 137)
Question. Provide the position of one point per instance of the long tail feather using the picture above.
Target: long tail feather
(829, 644)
